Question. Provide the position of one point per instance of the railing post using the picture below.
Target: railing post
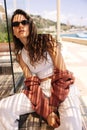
(9, 46)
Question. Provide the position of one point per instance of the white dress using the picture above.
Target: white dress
(14, 106)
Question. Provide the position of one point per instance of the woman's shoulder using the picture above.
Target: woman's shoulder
(21, 52)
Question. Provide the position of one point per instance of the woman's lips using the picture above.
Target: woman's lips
(21, 31)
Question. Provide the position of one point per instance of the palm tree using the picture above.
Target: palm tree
(58, 20)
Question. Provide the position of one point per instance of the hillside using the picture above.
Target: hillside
(42, 22)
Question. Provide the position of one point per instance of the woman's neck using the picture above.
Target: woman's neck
(24, 41)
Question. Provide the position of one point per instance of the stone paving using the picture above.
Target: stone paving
(75, 56)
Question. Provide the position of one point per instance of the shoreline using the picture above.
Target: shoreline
(75, 40)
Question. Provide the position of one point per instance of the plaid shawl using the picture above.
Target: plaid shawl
(61, 81)
(40, 103)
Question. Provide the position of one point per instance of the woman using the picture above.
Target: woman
(49, 85)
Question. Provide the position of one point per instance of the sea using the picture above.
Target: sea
(75, 35)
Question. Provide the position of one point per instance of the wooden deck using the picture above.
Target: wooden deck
(6, 84)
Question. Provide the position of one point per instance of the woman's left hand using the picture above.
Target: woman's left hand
(53, 120)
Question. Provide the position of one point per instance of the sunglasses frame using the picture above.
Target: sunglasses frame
(23, 22)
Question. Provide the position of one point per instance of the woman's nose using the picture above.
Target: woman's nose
(20, 24)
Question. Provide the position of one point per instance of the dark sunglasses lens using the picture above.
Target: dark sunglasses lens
(24, 22)
(15, 24)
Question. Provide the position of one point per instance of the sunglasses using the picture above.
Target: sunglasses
(23, 22)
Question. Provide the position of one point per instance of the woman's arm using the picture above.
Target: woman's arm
(55, 53)
(58, 58)
(24, 67)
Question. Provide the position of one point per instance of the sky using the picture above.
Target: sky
(71, 11)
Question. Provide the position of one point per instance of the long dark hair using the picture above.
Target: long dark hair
(38, 44)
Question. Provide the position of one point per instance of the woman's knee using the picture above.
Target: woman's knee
(70, 123)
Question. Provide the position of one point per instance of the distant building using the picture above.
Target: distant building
(2, 12)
